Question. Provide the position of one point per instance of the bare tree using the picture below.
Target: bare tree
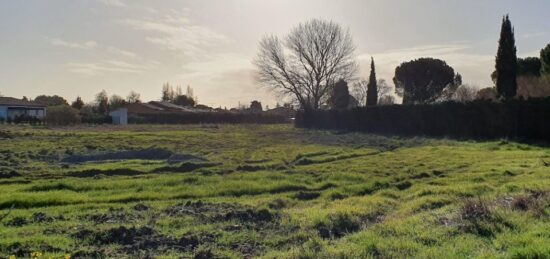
(465, 93)
(533, 87)
(360, 88)
(488, 94)
(359, 91)
(311, 59)
(386, 100)
(133, 97)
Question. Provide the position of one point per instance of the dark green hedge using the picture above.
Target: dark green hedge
(208, 117)
(514, 119)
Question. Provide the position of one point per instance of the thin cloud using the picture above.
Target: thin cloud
(178, 33)
(73, 45)
(533, 35)
(110, 66)
(114, 3)
(122, 52)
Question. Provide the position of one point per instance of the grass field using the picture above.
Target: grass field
(268, 192)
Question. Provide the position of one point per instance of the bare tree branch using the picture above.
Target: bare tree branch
(313, 57)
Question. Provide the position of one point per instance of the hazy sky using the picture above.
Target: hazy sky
(79, 47)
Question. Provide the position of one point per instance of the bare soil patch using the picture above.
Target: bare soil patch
(143, 154)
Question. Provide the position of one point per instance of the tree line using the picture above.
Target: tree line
(60, 112)
(315, 61)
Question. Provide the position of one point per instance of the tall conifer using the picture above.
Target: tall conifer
(506, 61)
(372, 87)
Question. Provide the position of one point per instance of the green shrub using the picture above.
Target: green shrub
(62, 115)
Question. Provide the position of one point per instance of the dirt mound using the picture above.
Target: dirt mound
(41, 217)
(24, 251)
(134, 240)
(340, 225)
(6, 135)
(146, 154)
(110, 172)
(306, 196)
(37, 217)
(185, 167)
(141, 207)
(114, 216)
(9, 174)
(179, 158)
(16, 222)
(85, 254)
(215, 212)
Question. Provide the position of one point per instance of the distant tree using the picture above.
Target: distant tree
(533, 87)
(102, 102)
(25, 99)
(53, 100)
(465, 93)
(133, 97)
(62, 115)
(386, 100)
(339, 96)
(88, 109)
(78, 103)
(360, 89)
(488, 94)
(506, 61)
(458, 79)
(372, 92)
(384, 89)
(190, 92)
(530, 66)
(178, 91)
(116, 102)
(256, 106)
(308, 63)
(168, 94)
(184, 100)
(422, 80)
(449, 91)
(545, 61)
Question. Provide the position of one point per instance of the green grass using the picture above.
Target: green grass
(270, 192)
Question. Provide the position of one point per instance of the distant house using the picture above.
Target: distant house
(174, 108)
(120, 116)
(12, 108)
(137, 110)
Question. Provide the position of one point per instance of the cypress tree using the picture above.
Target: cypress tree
(506, 61)
(372, 87)
(545, 61)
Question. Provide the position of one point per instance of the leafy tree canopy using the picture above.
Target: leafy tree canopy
(423, 80)
(54, 100)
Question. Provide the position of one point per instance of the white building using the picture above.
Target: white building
(11, 108)
(120, 116)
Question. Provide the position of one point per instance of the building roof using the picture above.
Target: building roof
(159, 108)
(143, 108)
(175, 108)
(10, 101)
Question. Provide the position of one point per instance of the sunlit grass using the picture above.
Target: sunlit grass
(331, 195)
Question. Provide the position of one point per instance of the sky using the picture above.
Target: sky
(79, 47)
